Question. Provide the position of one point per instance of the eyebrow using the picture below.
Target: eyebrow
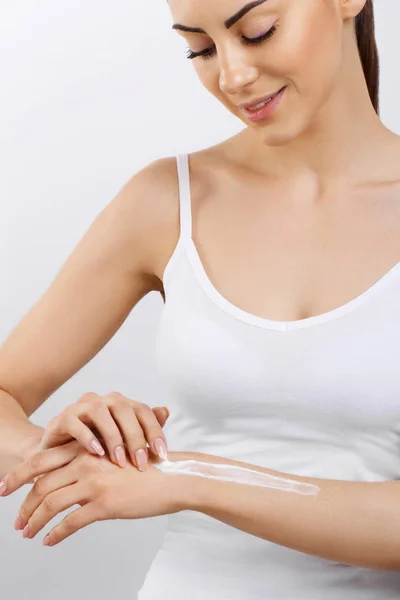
(228, 23)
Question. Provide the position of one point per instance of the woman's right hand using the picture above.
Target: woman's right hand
(114, 419)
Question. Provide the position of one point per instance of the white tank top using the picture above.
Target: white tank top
(318, 397)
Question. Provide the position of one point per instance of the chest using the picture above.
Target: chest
(279, 253)
(328, 382)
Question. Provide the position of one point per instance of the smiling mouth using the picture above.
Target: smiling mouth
(259, 103)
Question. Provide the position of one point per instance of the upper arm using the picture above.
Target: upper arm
(106, 275)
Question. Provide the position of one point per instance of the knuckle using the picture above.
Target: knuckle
(120, 403)
(88, 397)
(66, 418)
(98, 407)
(98, 400)
(133, 403)
(49, 503)
(36, 461)
(116, 399)
(143, 409)
(69, 524)
(67, 414)
(40, 487)
(52, 424)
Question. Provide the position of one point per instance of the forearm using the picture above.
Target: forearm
(17, 434)
(354, 523)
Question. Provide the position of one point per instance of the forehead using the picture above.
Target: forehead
(191, 13)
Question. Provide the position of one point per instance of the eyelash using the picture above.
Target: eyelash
(208, 52)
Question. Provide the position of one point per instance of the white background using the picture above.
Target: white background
(92, 91)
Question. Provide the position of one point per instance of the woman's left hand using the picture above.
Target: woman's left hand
(102, 489)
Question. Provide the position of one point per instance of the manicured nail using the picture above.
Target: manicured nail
(120, 456)
(141, 459)
(161, 448)
(18, 522)
(165, 409)
(26, 532)
(97, 447)
(3, 487)
(47, 541)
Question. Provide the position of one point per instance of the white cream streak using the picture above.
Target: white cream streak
(235, 474)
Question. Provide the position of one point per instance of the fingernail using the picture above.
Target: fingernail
(47, 541)
(141, 458)
(97, 447)
(166, 411)
(3, 487)
(26, 532)
(161, 448)
(120, 456)
(18, 522)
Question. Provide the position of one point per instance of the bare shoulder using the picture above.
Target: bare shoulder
(103, 279)
(148, 205)
(155, 210)
(163, 225)
(208, 169)
(116, 263)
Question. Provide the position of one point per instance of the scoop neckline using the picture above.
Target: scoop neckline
(243, 315)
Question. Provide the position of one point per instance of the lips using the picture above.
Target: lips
(257, 101)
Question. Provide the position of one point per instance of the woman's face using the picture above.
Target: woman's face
(304, 50)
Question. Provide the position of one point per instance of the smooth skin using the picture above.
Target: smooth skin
(350, 522)
(313, 190)
(103, 490)
(118, 421)
(86, 304)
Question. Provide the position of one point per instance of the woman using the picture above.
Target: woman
(280, 267)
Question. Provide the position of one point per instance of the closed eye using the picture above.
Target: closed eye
(209, 52)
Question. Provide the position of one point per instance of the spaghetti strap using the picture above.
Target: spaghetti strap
(184, 196)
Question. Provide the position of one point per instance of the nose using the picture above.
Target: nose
(235, 74)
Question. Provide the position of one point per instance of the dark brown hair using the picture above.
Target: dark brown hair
(365, 30)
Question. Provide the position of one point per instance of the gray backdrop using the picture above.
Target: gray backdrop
(79, 115)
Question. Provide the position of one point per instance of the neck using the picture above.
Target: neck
(340, 143)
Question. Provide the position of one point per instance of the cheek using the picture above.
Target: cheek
(310, 52)
(208, 76)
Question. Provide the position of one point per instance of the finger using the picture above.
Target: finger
(47, 484)
(75, 520)
(152, 430)
(38, 464)
(52, 505)
(135, 441)
(105, 424)
(162, 414)
(70, 425)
